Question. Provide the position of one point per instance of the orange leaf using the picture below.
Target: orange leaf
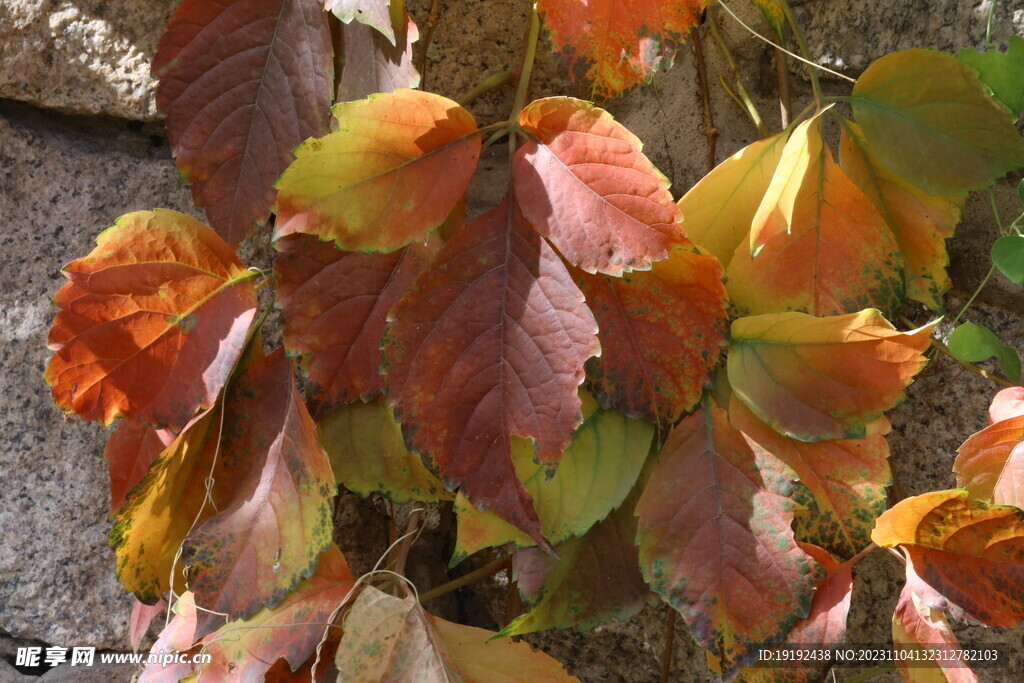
(918, 626)
(846, 480)
(990, 464)
(129, 452)
(661, 333)
(968, 552)
(335, 305)
(817, 244)
(920, 222)
(391, 172)
(490, 342)
(583, 181)
(609, 47)
(716, 541)
(242, 82)
(1008, 403)
(823, 378)
(151, 323)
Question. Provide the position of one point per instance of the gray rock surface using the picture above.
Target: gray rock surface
(82, 56)
(59, 187)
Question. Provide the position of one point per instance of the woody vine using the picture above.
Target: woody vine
(630, 393)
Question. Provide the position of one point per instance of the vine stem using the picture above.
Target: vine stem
(410, 537)
(711, 131)
(670, 644)
(863, 553)
(490, 83)
(740, 96)
(971, 367)
(428, 35)
(525, 72)
(489, 569)
(805, 51)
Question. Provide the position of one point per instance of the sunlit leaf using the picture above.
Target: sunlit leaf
(969, 552)
(1008, 255)
(368, 454)
(1003, 72)
(920, 222)
(918, 626)
(129, 452)
(141, 619)
(375, 13)
(823, 378)
(608, 47)
(846, 480)
(245, 650)
(177, 636)
(716, 541)
(583, 181)
(1007, 403)
(394, 639)
(594, 579)
(661, 333)
(817, 244)
(719, 210)
(151, 323)
(373, 64)
(489, 343)
(335, 305)
(930, 121)
(990, 463)
(596, 473)
(242, 82)
(824, 624)
(391, 172)
(974, 343)
(267, 534)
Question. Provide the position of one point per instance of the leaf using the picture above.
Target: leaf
(335, 305)
(661, 334)
(609, 47)
(245, 650)
(716, 541)
(266, 537)
(594, 476)
(920, 222)
(970, 552)
(242, 83)
(391, 172)
(719, 210)
(973, 343)
(1008, 403)
(373, 13)
(990, 463)
(151, 323)
(846, 480)
(773, 14)
(1003, 72)
(915, 625)
(177, 636)
(1008, 255)
(368, 455)
(373, 65)
(816, 242)
(388, 638)
(823, 378)
(141, 618)
(489, 343)
(129, 452)
(931, 122)
(824, 625)
(583, 182)
(594, 579)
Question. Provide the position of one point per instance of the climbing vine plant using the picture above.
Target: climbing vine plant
(634, 394)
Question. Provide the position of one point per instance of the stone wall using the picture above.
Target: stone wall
(80, 144)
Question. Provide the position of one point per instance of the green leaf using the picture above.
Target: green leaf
(973, 343)
(1008, 255)
(1001, 71)
(930, 120)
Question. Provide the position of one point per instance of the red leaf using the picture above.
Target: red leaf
(661, 333)
(609, 46)
(242, 82)
(140, 620)
(130, 450)
(990, 464)
(716, 539)
(583, 181)
(373, 64)
(335, 305)
(151, 323)
(177, 636)
(918, 626)
(266, 537)
(489, 343)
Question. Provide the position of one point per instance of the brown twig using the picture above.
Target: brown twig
(428, 35)
(670, 644)
(489, 569)
(971, 367)
(710, 131)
